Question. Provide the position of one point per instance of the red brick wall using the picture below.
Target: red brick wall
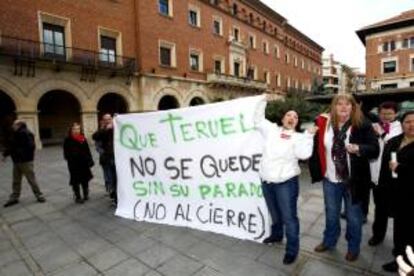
(373, 57)
(154, 26)
(19, 18)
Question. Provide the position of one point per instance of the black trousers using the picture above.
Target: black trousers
(403, 232)
(382, 212)
(85, 189)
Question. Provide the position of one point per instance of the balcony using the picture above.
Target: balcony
(34, 54)
(229, 81)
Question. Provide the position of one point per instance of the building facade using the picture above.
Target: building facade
(69, 61)
(341, 78)
(389, 52)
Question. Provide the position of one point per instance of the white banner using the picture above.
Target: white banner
(195, 167)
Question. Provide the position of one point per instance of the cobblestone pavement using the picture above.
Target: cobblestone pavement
(61, 238)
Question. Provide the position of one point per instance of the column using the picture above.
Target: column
(89, 123)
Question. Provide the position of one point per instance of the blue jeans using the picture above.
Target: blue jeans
(281, 199)
(109, 171)
(333, 194)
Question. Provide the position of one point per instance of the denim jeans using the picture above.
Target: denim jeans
(333, 194)
(281, 199)
(110, 176)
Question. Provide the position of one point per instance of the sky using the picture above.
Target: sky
(332, 23)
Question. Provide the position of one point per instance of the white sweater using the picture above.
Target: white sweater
(280, 155)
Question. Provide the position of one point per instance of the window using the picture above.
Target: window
(252, 41)
(385, 47)
(412, 64)
(251, 18)
(405, 43)
(277, 52)
(195, 60)
(54, 40)
(107, 52)
(165, 7)
(278, 79)
(412, 42)
(389, 86)
(388, 46)
(250, 73)
(217, 26)
(236, 69)
(194, 18)
(214, 2)
(392, 45)
(217, 66)
(295, 61)
(288, 82)
(234, 10)
(389, 66)
(236, 34)
(265, 47)
(287, 58)
(266, 77)
(167, 54)
(303, 64)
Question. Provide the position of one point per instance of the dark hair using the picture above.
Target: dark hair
(298, 126)
(71, 126)
(410, 112)
(388, 105)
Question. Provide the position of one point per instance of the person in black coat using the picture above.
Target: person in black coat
(104, 138)
(78, 156)
(21, 149)
(398, 175)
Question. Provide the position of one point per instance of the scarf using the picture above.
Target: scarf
(386, 127)
(78, 138)
(339, 154)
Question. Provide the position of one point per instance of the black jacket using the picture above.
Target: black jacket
(21, 146)
(79, 159)
(400, 189)
(105, 138)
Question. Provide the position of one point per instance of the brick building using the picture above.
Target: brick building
(390, 52)
(72, 60)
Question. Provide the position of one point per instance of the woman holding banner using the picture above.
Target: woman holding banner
(344, 144)
(279, 171)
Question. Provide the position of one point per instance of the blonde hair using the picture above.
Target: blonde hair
(356, 113)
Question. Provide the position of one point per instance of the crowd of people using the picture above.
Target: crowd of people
(349, 153)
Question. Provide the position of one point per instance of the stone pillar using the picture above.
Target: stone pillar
(89, 123)
(32, 120)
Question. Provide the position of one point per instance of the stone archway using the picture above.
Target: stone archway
(112, 103)
(7, 116)
(57, 109)
(168, 102)
(197, 101)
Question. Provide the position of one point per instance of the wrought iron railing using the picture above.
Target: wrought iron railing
(40, 51)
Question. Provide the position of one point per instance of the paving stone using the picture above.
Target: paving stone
(156, 255)
(130, 267)
(108, 258)
(17, 268)
(317, 268)
(180, 265)
(81, 268)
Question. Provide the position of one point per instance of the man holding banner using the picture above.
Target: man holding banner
(279, 171)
